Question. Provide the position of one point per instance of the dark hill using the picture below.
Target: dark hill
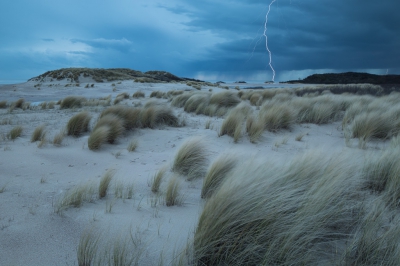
(110, 74)
(349, 78)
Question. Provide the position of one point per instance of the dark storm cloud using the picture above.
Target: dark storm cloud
(306, 35)
(208, 36)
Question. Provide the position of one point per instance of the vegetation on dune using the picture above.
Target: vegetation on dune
(78, 124)
(72, 102)
(114, 124)
(98, 137)
(38, 134)
(304, 212)
(217, 173)
(191, 159)
(15, 132)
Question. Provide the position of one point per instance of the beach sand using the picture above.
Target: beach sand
(34, 178)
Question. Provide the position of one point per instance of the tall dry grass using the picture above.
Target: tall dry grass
(191, 159)
(217, 173)
(72, 102)
(300, 213)
(78, 124)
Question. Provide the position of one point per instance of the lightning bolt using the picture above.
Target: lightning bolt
(266, 41)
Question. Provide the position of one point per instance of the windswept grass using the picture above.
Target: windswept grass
(105, 183)
(98, 137)
(74, 197)
(225, 99)
(156, 115)
(382, 174)
(19, 103)
(217, 173)
(115, 127)
(15, 133)
(78, 124)
(138, 94)
(254, 128)
(72, 102)
(3, 104)
(301, 213)
(38, 134)
(277, 116)
(58, 138)
(191, 159)
(133, 144)
(87, 247)
(181, 99)
(157, 179)
(172, 196)
(130, 116)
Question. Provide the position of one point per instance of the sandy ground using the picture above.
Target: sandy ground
(34, 178)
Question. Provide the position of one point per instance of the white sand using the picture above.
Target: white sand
(32, 234)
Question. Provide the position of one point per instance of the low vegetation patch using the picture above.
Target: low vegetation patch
(72, 102)
(191, 159)
(78, 124)
(15, 132)
(38, 134)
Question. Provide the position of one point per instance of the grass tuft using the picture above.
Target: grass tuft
(15, 132)
(115, 126)
(38, 133)
(78, 124)
(98, 137)
(72, 102)
(172, 196)
(105, 183)
(217, 173)
(191, 159)
(133, 144)
(157, 179)
(87, 248)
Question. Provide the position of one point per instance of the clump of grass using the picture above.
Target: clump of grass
(225, 99)
(191, 159)
(115, 126)
(217, 173)
(293, 214)
(58, 138)
(15, 132)
(78, 124)
(124, 95)
(157, 94)
(130, 116)
(254, 128)
(132, 145)
(3, 104)
(105, 183)
(72, 102)
(382, 173)
(155, 115)
(98, 137)
(74, 197)
(197, 103)
(277, 116)
(172, 196)
(38, 134)
(157, 179)
(138, 94)
(19, 103)
(300, 136)
(232, 125)
(180, 99)
(87, 247)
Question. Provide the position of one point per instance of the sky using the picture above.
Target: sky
(204, 39)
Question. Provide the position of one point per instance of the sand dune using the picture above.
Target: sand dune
(35, 177)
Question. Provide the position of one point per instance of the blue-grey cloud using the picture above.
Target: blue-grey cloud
(191, 37)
